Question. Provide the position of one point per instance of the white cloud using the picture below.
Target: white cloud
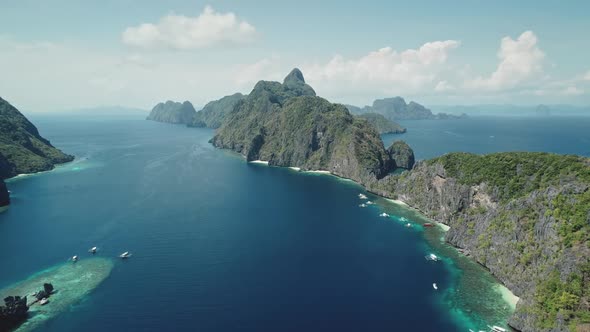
(520, 61)
(444, 86)
(266, 69)
(384, 71)
(184, 33)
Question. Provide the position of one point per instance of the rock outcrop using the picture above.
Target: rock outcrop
(215, 112)
(4, 195)
(22, 149)
(382, 124)
(288, 125)
(401, 154)
(13, 313)
(173, 112)
(524, 216)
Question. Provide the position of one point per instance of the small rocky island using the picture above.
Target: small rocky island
(173, 112)
(396, 109)
(22, 149)
(29, 311)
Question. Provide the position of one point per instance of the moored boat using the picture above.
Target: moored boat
(124, 255)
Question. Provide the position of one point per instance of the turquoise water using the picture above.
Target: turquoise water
(222, 245)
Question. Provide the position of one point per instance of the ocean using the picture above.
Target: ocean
(219, 244)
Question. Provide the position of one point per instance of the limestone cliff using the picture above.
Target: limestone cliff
(288, 125)
(524, 216)
(215, 112)
(22, 149)
(173, 112)
(4, 195)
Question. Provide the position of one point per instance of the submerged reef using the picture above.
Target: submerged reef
(71, 282)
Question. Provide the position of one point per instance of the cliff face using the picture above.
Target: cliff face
(22, 149)
(4, 195)
(525, 216)
(215, 112)
(382, 124)
(173, 112)
(287, 125)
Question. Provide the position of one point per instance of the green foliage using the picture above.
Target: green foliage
(554, 296)
(22, 149)
(383, 125)
(215, 112)
(516, 174)
(288, 125)
(573, 212)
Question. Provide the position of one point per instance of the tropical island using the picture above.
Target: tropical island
(22, 149)
(396, 108)
(524, 216)
(173, 112)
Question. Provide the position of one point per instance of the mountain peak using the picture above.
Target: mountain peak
(295, 76)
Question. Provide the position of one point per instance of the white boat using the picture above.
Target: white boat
(434, 286)
(369, 202)
(74, 258)
(361, 196)
(432, 257)
(408, 225)
(385, 215)
(497, 329)
(363, 205)
(126, 254)
(93, 250)
(43, 301)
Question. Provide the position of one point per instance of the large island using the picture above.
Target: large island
(22, 149)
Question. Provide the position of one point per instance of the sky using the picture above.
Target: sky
(70, 54)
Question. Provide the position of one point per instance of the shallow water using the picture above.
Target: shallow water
(71, 282)
(219, 244)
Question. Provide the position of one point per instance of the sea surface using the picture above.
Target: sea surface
(219, 244)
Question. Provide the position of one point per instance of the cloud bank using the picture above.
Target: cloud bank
(210, 28)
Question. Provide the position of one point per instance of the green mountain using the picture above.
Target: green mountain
(396, 109)
(525, 216)
(288, 125)
(382, 124)
(215, 112)
(22, 149)
(173, 112)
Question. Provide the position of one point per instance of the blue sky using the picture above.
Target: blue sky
(70, 54)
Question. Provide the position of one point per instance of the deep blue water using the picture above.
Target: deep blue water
(431, 138)
(218, 244)
(222, 245)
